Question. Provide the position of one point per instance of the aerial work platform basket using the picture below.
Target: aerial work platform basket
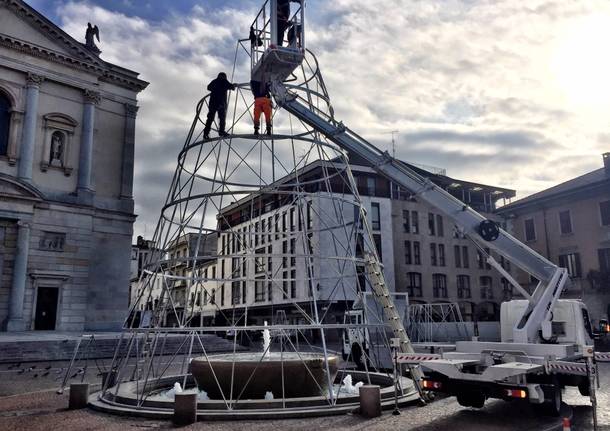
(277, 42)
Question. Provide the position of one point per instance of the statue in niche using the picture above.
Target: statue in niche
(91, 33)
(57, 149)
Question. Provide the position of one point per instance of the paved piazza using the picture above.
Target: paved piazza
(38, 407)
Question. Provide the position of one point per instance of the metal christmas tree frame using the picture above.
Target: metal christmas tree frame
(259, 235)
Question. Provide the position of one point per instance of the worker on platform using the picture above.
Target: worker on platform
(283, 18)
(294, 35)
(218, 104)
(255, 39)
(262, 104)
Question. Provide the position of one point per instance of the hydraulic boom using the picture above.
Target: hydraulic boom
(536, 321)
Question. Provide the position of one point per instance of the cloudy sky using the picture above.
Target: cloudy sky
(510, 93)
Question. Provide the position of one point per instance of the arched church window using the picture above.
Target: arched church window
(58, 145)
(5, 118)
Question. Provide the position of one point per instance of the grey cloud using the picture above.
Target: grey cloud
(506, 139)
(604, 138)
(468, 74)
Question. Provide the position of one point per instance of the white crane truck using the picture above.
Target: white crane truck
(546, 343)
(545, 340)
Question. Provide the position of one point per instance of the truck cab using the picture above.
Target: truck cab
(570, 323)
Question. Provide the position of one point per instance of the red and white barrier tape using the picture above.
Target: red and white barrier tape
(568, 367)
(410, 358)
(602, 356)
(563, 366)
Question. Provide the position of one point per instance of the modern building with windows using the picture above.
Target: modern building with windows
(187, 297)
(569, 224)
(67, 137)
(303, 246)
(142, 253)
(423, 254)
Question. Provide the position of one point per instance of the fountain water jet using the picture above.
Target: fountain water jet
(266, 341)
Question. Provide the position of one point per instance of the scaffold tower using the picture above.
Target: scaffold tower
(264, 240)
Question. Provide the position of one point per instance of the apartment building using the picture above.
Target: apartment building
(285, 252)
(422, 252)
(569, 224)
(278, 254)
(434, 262)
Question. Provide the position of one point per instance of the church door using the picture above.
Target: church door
(46, 308)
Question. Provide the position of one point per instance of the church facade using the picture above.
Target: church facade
(67, 137)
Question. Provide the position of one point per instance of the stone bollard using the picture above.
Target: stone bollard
(79, 396)
(370, 401)
(185, 408)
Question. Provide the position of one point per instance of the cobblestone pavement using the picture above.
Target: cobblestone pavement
(47, 410)
(20, 378)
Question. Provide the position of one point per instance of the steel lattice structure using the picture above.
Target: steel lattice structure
(255, 230)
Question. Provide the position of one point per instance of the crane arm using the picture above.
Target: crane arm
(485, 232)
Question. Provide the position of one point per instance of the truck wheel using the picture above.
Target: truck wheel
(584, 389)
(552, 401)
(471, 399)
(463, 400)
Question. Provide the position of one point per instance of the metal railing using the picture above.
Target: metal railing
(262, 31)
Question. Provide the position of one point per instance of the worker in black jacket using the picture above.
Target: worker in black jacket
(218, 104)
(283, 18)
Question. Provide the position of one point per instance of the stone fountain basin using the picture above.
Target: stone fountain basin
(250, 377)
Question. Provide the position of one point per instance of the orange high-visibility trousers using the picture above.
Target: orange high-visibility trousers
(262, 105)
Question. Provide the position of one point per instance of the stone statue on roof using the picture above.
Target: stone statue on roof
(91, 33)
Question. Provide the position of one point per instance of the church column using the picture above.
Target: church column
(128, 151)
(28, 137)
(85, 160)
(15, 312)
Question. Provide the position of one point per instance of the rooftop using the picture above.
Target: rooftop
(588, 181)
(453, 185)
(76, 56)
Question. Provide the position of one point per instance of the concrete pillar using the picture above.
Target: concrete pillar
(85, 160)
(128, 158)
(15, 311)
(370, 401)
(79, 396)
(185, 408)
(28, 137)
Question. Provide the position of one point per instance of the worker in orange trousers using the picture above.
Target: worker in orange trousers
(262, 104)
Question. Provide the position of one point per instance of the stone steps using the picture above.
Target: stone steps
(103, 347)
